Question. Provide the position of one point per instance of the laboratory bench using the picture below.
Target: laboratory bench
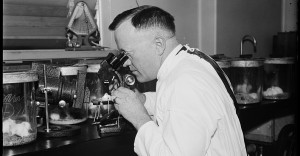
(270, 127)
(88, 142)
(251, 115)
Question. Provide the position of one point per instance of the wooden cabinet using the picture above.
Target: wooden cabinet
(34, 21)
(35, 29)
(35, 24)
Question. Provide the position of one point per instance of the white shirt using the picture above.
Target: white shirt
(193, 115)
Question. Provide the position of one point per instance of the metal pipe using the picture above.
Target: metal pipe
(248, 38)
(46, 99)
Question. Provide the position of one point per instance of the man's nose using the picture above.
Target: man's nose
(127, 63)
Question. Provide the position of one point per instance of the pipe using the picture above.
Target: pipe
(250, 39)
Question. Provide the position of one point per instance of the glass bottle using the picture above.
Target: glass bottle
(246, 76)
(19, 108)
(278, 78)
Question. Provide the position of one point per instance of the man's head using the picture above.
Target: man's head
(147, 35)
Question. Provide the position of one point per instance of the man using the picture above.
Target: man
(191, 113)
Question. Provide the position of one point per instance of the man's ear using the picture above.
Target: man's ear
(160, 44)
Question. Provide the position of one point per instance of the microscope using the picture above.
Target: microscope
(111, 74)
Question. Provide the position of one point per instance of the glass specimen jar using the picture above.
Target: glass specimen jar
(246, 76)
(98, 84)
(19, 108)
(225, 65)
(94, 88)
(278, 78)
(71, 107)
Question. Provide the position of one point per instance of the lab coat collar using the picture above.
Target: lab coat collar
(167, 65)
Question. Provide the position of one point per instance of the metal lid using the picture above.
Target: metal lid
(93, 68)
(20, 77)
(247, 63)
(283, 60)
(72, 70)
(223, 63)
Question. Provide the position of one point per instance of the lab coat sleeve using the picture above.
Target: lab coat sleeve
(150, 102)
(187, 126)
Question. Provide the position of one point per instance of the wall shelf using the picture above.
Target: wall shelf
(26, 55)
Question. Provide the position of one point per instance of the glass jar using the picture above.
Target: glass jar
(19, 108)
(98, 90)
(247, 80)
(225, 65)
(278, 78)
(71, 108)
(94, 88)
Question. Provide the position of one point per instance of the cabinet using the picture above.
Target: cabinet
(34, 30)
(34, 24)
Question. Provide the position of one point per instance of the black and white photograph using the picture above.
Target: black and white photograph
(150, 78)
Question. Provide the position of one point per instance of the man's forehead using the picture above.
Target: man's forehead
(125, 26)
(127, 29)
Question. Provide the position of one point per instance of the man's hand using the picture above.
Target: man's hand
(130, 105)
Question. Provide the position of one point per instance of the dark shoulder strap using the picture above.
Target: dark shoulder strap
(219, 71)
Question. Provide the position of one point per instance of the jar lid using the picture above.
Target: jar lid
(283, 60)
(93, 68)
(223, 63)
(72, 70)
(247, 62)
(20, 77)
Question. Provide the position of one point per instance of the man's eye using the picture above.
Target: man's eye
(126, 53)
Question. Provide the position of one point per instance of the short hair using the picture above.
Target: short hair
(144, 17)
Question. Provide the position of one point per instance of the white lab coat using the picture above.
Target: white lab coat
(193, 115)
